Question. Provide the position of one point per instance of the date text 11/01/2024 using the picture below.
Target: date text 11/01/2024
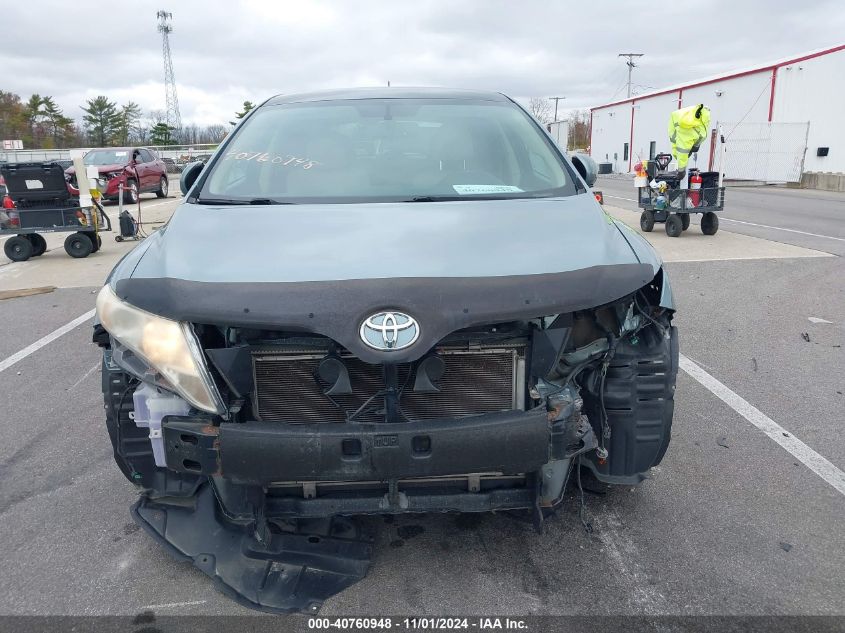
(433, 623)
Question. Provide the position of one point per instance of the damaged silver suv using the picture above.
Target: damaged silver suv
(373, 302)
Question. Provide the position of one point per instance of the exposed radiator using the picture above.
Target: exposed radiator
(475, 381)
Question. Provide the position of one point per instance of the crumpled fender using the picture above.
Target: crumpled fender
(647, 255)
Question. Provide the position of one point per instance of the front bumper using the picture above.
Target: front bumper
(262, 453)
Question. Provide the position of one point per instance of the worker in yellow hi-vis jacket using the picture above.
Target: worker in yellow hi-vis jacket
(687, 129)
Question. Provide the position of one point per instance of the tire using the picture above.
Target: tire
(130, 192)
(674, 225)
(163, 187)
(96, 240)
(685, 219)
(39, 244)
(18, 248)
(647, 221)
(709, 223)
(79, 245)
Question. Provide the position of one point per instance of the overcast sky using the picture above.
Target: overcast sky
(227, 51)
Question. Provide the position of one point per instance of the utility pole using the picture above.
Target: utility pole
(631, 65)
(556, 99)
(174, 119)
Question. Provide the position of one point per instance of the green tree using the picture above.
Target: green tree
(161, 134)
(130, 117)
(102, 120)
(34, 109)
(59, 127)
(248, 105)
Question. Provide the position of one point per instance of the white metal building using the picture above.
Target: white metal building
(781, 121)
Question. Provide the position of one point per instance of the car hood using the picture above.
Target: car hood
(102, 169)
(325, 268)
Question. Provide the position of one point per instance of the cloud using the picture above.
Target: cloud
(226, 52)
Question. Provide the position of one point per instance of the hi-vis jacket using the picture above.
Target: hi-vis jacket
(687, 128)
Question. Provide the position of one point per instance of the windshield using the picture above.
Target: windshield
(106, 157)
(386, 150)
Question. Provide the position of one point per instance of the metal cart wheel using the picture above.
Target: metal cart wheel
(78, 245)
(674, 225)
(685, 219)
(18, 248)
(647, 221)
(39, 244)
(709, 223)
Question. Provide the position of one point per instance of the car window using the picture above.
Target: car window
(387, 150)
(146, 156)
(107, 157)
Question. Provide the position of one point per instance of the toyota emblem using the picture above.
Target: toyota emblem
(389, 331)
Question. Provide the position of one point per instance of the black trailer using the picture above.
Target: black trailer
(43, 204)
(668, 203)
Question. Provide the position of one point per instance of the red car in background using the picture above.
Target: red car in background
(139, 169)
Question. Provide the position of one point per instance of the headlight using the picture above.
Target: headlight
(168, 346)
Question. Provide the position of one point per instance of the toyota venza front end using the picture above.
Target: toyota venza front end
(377, 302)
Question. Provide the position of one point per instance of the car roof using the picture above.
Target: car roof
(387, 93)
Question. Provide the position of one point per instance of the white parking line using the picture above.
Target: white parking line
(798, 449)
(168, 605)
(37, 345)
(762, 226)
(780, 228)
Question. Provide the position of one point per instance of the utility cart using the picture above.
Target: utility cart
(663, 200)
(41, 203)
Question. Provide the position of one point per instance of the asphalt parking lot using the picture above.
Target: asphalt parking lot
(731, 523)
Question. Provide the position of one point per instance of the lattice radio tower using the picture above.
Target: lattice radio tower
(174, 119)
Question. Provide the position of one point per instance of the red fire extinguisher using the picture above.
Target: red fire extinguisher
(695, 188)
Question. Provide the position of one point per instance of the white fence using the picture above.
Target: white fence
(764, 152)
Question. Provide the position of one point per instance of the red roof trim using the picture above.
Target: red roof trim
(724, 77)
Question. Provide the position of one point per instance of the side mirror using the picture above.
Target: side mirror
(189, 176)
(587, 167)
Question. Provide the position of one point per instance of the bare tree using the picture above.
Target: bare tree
(215, 133)
(579, 129)
(541, 109)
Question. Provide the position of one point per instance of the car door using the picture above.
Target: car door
(157, 168)
(149, 181)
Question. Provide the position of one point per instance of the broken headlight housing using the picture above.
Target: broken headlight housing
(169, 347)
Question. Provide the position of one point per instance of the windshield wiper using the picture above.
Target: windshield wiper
(432, 199)
(232, 201)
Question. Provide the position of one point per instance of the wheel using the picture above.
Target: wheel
(647, 221)
(674, 225)
(118, 238)
(79, 245)
(96, 240)
(18, 248)
(130, 192)
(39, 244)
(709, 223)
(163, 186)
(685, 219)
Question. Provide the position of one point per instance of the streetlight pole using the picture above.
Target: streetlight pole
(631, 65)
(556, 99)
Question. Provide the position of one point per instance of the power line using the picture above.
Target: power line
(631, 65)
(556, 99)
